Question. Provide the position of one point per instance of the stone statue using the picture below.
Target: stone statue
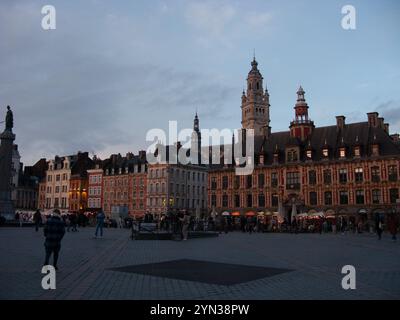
(9, 119)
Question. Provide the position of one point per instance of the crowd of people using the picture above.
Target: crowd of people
(180, 223)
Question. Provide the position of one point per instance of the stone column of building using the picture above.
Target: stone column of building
(6, 149)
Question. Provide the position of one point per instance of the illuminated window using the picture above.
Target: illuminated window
(342, 153)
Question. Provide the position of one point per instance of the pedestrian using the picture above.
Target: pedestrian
(243, 223)
(185, 225)
(379, 225)
(54, 231)
(37, 219)
(100, 223)
(393, 224)
(17, 218)
(120, 223)
(249, 224)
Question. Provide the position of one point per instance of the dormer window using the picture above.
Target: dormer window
(357, 152)
(375, 150)
(309, 154)
(342, 153)
(112, 171)
(261, 159)
(292, 155)
(325, 152)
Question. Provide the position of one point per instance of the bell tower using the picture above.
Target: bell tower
(302, 126)
(255, 103)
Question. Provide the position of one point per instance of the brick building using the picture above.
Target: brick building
(56, 190)
(342, 169)
(95, 186)
(124, 184)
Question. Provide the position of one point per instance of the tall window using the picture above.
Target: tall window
(274, 179)
(292, 180)
(359, 174)
(312, 177)
(225, 200)
(249, 181)
(328, 198)
(344, 197)
(342, 175)
(261, 200)
(392, 173)
(213, 183)
(213, 200)
(359, 196)
(261, 180)
(313, 198)
(394, 195)
(237, 200)
(274, 200)
(376, 196)
(249, 200)
(237, 182)
(225, 182)
(325, 152)
(375, 174)
(327, 176)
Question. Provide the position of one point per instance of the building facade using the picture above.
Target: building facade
(95, 187)
(343, 169)
(124, 184)
(174, 186)
(57, 182)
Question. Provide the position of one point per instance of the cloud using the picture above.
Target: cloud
(86, 86)
(225, 23)
(211, 18)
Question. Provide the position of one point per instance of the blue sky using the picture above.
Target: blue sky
(113, 70)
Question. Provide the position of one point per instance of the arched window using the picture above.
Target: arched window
(258, 86)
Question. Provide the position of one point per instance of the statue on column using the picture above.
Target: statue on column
(9, 119)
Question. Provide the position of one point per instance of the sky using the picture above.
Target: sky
(112, 70)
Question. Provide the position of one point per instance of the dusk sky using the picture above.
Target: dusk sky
(112, 70)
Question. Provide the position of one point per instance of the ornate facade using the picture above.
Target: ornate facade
(344, 169)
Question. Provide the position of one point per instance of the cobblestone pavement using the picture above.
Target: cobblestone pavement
(85, 262)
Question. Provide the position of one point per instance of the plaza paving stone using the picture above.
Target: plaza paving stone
(315, 260)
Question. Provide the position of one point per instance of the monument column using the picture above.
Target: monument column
(6, 148)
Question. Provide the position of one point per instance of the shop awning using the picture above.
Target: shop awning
(250, 213)
(236, 214)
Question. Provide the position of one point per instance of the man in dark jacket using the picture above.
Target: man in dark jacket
(37, 218)
(54, 231)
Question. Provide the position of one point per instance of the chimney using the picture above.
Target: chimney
(386, 127)
(373, 119)
(381, 122)
(142, 154)
(340, 122)
(129, 156)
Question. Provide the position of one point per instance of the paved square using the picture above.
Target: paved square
(203, 271)
(85, 263)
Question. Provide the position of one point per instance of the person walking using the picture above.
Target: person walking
(393, 224)
(54, 231)
(37, 219)
(379, 225)
(18, 219)
(100, 223)
(185, 226)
